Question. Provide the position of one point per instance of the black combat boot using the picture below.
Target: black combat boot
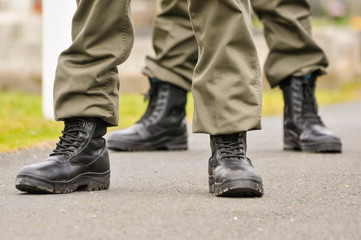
(80, 161)
(163, 125)
(231, 173)
(303, 128)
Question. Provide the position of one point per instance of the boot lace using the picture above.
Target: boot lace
(68, 141)
(309, 107)
(231, 148)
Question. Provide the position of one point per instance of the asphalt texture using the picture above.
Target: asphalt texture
(164, 195)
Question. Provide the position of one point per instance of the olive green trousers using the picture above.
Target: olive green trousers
(287, 31)
(224, 66)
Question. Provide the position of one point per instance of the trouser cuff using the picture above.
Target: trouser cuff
(153, 70)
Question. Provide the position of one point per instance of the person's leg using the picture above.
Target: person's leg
(227, 91)
(227, 87)
(163, 125)
(176, 50)
(86, 98)
(294, 62)
(86, 81)
(287, 30)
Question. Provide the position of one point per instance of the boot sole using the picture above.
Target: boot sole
(243, 187)
(325, 147)
(84, 182)
(165, 143)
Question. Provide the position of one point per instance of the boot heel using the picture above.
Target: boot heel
(96, 183)
(211, 184)
(288, 144)
(94, 186)
(179, 143)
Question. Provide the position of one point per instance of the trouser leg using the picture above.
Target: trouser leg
(287, 30)
(174, 44)
(227, 86)
(86, 81)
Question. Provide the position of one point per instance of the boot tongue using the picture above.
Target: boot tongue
(74, 122)
(228, 138)
(309, 107)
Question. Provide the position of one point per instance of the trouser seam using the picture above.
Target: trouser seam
(124, 29)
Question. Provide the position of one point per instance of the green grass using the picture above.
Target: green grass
(22, 124)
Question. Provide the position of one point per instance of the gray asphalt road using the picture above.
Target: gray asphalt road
(164, 195)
